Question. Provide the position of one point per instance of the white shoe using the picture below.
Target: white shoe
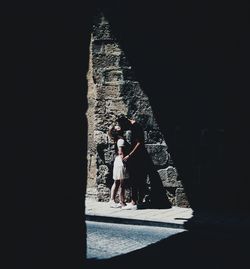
(130, 207)
(113, 204)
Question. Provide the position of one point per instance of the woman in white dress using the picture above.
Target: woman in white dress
(120, 172)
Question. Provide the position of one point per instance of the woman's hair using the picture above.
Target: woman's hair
(123, 121)
(115, 133)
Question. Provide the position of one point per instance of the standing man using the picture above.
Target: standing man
(136, 159)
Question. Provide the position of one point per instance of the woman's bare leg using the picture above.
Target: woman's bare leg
(114, 189)
(122, 193)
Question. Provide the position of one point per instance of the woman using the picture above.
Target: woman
(120, 172)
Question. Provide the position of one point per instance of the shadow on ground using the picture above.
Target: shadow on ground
(190, 249)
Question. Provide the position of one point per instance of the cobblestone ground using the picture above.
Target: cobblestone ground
(105, 240)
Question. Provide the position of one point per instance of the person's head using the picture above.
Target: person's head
(115, 132)
(123, 122)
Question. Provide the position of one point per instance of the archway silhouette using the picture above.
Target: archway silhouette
(49, 57)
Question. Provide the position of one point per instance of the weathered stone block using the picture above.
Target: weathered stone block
(145, 116)
(109, 156)
(91, 192)
(103, 170)
(104, 174)
(103, 193)
(92, 164)
(99, 160)
(100, 137)
(172, 173)
(97, 76)
(115, 106)
(102, 32)
(103, 123)
(181, 198)
(103, 61)
(113, 76)
(169, 177)
(101, 180)
(107, 91)
(154, 137)
(171, 197)
(99, 106)
(129, 89)
(112, 48)
(158, 154)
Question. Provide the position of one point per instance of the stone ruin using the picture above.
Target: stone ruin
(112, 90)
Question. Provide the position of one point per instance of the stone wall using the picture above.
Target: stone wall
(114, 89)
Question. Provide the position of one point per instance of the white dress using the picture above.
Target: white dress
(119, 170)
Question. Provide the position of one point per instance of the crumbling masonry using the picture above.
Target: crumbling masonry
(113, 89)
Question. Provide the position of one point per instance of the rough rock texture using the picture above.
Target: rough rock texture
(113, 89)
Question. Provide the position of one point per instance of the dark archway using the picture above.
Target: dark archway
(47, 50)
(191, 62)
(48, 58)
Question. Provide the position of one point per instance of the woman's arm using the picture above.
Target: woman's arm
(121, 152)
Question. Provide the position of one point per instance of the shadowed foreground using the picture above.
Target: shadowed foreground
(48, 100)
(191, 249)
